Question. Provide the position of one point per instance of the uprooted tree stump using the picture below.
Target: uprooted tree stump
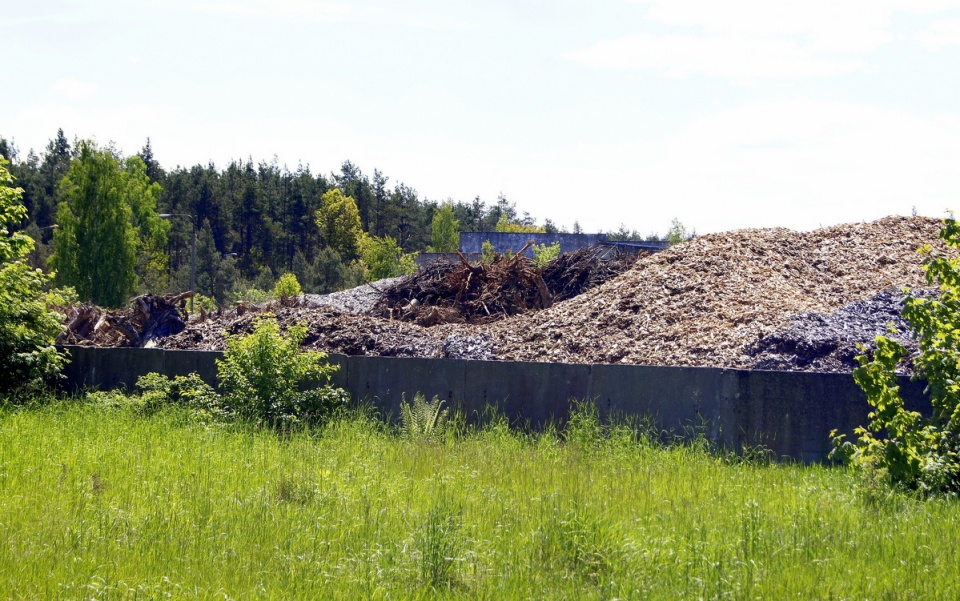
(149, 317)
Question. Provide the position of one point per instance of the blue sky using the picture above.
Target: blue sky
(744, 113)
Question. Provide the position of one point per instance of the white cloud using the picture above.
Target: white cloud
(756, 39)
(824, 25)
(75, 89)
(945, 32)
(740, 58)
(328, 11)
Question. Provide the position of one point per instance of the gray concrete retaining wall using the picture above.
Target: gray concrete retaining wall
(790, 413)
(472, 242)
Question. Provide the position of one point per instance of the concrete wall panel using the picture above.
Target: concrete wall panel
(788, 413)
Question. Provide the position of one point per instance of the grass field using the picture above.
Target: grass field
(102, 504)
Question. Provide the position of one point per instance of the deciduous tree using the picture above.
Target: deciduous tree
(339, 223)
(27, 325)
(106, 216)
(445, 230)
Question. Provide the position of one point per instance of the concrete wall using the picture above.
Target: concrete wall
(472, 242)
(425, 259)
(790, 413)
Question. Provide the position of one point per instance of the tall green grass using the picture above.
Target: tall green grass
(101, 504)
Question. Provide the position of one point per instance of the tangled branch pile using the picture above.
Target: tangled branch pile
(571, 274)
(149, 318)
(510, 285)
(481, 293)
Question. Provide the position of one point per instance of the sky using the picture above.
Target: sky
(724, 115)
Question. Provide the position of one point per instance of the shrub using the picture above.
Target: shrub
(543, 254)
(903, 447)
(190, 392)
(287, 287)
(28, 327)
(261, 376)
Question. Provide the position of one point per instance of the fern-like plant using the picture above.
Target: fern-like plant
(421, 419)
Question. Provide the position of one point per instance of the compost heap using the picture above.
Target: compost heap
(753, 298)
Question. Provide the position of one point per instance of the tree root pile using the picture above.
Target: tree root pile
(571, 274)
(149, 318)
(704, 302)
(466, 293)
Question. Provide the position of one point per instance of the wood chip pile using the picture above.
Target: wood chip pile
(702, 303)
(708, 302)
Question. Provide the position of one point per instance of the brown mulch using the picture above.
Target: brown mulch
(723, 300)
(702, 303)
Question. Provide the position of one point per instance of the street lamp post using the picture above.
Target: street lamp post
(193, 251)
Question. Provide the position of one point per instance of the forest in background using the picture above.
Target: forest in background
(257, 221)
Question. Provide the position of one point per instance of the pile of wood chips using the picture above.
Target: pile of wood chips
(703, 302)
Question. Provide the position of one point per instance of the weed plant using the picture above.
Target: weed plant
(103, 501)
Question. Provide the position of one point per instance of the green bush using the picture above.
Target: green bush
(261, 376)
(28, 327)
(190, 391)
(543, 254)
(287, 287)
(902, 447)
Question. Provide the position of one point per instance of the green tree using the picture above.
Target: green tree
(27, 325)
(505, 224)
(445, 230)
(677, 232)
(339, 223)
(384, 258)
(543, 253)
(152, 232)
(95, 247)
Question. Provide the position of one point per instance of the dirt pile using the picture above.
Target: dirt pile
(703, 303)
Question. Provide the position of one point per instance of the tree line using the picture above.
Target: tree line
(253, 222)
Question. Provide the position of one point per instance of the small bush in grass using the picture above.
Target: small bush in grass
(261, 376)
(190, 392)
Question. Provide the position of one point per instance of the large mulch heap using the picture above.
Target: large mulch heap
(703, 303)
(756, 298)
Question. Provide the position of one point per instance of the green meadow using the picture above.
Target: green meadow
(104, 503)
